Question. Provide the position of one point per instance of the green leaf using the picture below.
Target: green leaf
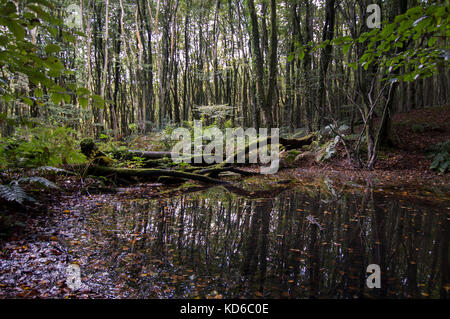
(432, 41)
(53, 31)
(54, 73)
(346, 48)
(82, 91)
(27, 101)
(414, 11)
(353, 65)
(301, 55)
(56, 98)
(16, 29)
(54, 64)
(7, 98)
(67, 98)
(52, 48)
(69, 37)
(387, 30)
(83, 101)
(38, 92)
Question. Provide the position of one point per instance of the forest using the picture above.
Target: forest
(348, 99)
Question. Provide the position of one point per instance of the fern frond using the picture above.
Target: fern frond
(14, 193)
(37, 180)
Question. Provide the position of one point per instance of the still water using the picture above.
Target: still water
(312, 241)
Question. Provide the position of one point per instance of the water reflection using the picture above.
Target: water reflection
(304, 243)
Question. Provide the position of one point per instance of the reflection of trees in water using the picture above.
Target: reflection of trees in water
(240, 247)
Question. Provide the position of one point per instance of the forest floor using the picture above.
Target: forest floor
(36, 249)
(404, 164)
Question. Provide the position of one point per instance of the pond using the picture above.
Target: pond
(302, 241)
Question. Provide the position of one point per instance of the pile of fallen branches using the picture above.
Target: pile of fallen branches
(157, 164)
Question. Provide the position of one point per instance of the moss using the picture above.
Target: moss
(103, 161)
(88, 147)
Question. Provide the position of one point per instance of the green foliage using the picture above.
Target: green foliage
(292, 155)
(30, 67)
(134, 162)
(104, 137)
(166, 136)
(133, 128)
(19, 54)
(114, 149)
(440, 156)
(216, 114)
(228, 124)
(102, 160)
(390, 49)
(41, 146)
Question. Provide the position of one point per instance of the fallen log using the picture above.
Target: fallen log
(161, 159)
(149, 154)
(288, 143)
(149, 173)
(297, 143)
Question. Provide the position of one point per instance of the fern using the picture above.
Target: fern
(440, 156)
(37, 180)
(41, 146)
(14, 193)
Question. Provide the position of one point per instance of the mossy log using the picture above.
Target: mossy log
(199, 173)
(146, 154)
(297, 143)
(149, 174)
(288, 143)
